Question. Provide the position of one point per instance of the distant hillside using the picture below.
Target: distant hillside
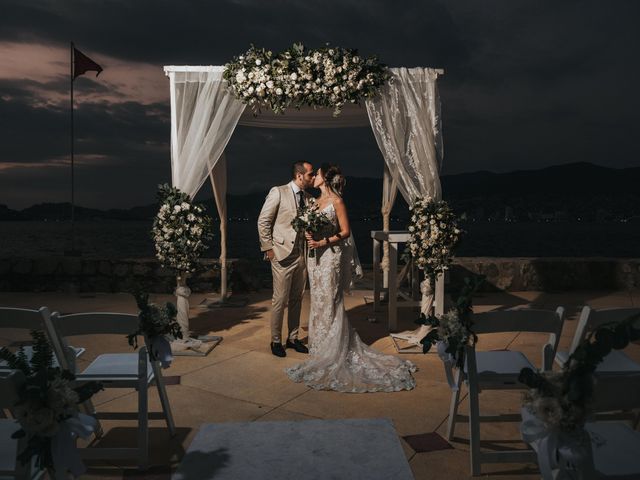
(578, 190)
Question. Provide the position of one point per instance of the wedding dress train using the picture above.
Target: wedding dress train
(338, 359)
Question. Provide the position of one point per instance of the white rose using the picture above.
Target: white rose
(294, 76)
(356, 59)
(278, 91)
(185, 206)
(336, 89)
(240, 77)
(270, 84)
(176, 209)
(258, 61)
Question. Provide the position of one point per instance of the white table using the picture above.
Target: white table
(390, 284)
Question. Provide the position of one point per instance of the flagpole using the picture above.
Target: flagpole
(73, 225)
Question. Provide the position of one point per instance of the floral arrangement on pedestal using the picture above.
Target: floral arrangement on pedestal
(181, 232)
(159, 326)
(557, 404)
(324, 77)
(47, 409)
(434, 234)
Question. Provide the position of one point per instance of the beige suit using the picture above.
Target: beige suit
(289, 264)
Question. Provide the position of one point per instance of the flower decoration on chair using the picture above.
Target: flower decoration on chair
(434, 234)
(47, 409)
(454, 330)
(181, 230)
(324, 77)
(158, 325)
(562, 400)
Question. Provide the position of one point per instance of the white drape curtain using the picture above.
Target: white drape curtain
(389, 194)
(406, 123)
(206, 115)
(218, 178)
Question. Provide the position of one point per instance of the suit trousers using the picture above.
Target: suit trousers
(289, 281)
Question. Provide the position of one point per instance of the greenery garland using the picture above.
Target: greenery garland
(325, 77)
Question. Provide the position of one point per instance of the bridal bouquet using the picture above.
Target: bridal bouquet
(181, 230)
(47, 409)
(323, 77)
(310, 219)
(433, 235)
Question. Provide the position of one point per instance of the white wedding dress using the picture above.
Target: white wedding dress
(338, 359)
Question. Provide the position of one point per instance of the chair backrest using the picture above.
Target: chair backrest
(591, 319)
(524, 320)
(10, 383)
(95, 323)
(23, 318)
(617, 392)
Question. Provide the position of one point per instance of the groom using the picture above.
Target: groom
(284, 248)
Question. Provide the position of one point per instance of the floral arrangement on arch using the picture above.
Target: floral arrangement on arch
(562, 400)
(47, 409)
(324, 77)
(181, 230)
(433, 235)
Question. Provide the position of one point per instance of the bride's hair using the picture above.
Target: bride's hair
(333, 177)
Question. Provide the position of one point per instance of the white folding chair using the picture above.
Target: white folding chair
(25, 320)
(116, 370)
(499, 370)
(10, 466)
(617, 362)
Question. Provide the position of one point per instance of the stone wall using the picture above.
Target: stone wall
(77, 274)
(551, 274)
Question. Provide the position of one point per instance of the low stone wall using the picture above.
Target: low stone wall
(77, 274)
(551, 274)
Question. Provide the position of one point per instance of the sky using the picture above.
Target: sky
(527, 84)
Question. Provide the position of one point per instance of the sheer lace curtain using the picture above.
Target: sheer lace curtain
(204, 115)
(406, 123)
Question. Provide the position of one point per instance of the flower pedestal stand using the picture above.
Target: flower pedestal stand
(188, 345)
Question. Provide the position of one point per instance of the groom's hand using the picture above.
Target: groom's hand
(269, 255)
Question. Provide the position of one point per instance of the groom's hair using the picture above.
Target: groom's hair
(296, 168)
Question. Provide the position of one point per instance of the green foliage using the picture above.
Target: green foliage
(155, 321)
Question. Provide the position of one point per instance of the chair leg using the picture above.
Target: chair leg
(474, 431)
(164, 399)
(143, 425)
(453, 408)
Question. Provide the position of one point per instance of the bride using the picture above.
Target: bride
(338, 359)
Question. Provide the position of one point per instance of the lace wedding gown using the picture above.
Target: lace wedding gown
(338, 359)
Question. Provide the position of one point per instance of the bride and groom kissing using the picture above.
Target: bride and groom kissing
(338, 359)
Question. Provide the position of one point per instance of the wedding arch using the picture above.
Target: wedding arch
(404, 116)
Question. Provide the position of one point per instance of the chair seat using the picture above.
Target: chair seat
(28, 351)
(501, 366)
(615, 449)
(113, 367)
(615, 362)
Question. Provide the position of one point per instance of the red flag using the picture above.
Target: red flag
(82, 64)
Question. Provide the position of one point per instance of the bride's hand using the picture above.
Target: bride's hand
(311, 242)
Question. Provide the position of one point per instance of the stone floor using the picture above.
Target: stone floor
(241, 381)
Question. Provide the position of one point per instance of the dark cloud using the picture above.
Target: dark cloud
(528, 84)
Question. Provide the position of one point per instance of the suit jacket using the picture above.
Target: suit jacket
(274, 223)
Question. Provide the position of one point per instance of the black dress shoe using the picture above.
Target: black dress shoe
(297, 345)
(278, 350)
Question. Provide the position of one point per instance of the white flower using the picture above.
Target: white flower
(356, 59)
(278, 91)
(185, 206)
(294, 76)
(240, 77)
(176, 209)
(258, 61)
(270, 84)
(336, 89)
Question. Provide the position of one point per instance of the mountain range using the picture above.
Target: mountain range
(580, 190)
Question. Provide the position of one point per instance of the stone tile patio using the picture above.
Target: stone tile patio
(241, 381)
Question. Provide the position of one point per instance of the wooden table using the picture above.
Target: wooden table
(388, 283)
